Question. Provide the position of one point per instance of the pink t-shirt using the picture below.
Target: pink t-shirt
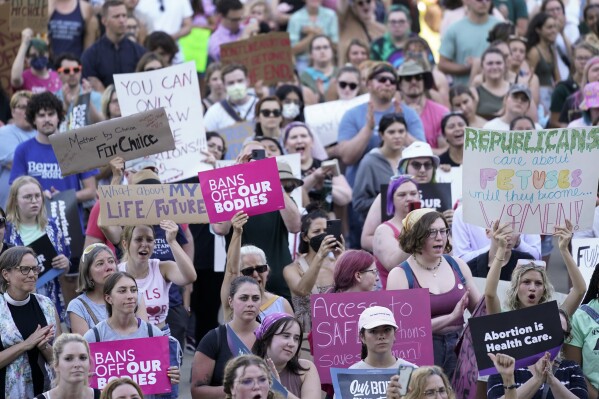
(431, 116)
(38, 85)
(154, 289)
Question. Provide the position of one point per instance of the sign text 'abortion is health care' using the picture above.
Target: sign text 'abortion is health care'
(532, 179)
(335, 331)
(131, 358)
(252, 187)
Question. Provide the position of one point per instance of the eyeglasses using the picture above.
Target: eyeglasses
(375, 271)
(386, 79)
(250, 382)
(69, 70)
(432, 233)
(90, 248)
(21, 107)
(397, 21)
(418, 78)
(32, 197)
(323, 47)
(249, 271)
(268, 112)
(431, 393)
(25, 270)
(352, 86)
(2, 222)
(418, 165)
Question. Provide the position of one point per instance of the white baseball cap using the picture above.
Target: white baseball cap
(376, 316)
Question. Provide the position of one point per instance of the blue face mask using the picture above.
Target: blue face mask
(39, 63)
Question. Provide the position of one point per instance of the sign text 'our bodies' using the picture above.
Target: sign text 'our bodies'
(224, 191)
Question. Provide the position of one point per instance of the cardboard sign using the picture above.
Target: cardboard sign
(267, 57)
(524, 334)
(129, 137)
(45, 252)
(533, 179)
(336, 339)
(175, 88)
(29, 14)
(235, 135)
(64, 210)
(150, 204)
(586, 254)
(9, 45)
(436, 196)
(361, 384)
(131, 358)
(194, 47)
(253, 187)
(324, 118)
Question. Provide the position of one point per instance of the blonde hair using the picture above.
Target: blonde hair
(59, 345)
(12, 206)
(512, 302)
(127, 236)
(117, 382)
(242, 362)
(419, 378)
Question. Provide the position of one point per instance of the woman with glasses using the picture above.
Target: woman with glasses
(355, 271)
(249, 261)
(218, 346)
(425, 236)
(429, 382)
(88, 309)
(247, 377)
(27, 223)
(268, 117)
(347, 84)
(322, 69)
(29, 322)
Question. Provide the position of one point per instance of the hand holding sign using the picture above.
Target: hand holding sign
(60, 262)
(174, 374)
(238, 221)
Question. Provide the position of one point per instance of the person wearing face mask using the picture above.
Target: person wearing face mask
(37, 77)
(238, 106)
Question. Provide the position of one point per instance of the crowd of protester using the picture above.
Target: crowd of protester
(426, 71)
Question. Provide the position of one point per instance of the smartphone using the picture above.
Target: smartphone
(405, 373)
(334, 228)
(258, 154)
(414, 205)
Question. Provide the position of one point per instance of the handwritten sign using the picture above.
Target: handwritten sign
(586, 254)
(151, 203)
(525, 334)
(29, 14)
(253, 187)
(235, 135)
(128, 137)
(9, 44)
(361, 383)
(177, 90)
(267, 57)
(532, 179)
(63, 208)
(131, 358)
(335, 327)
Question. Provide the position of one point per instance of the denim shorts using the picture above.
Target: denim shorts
(444, 351)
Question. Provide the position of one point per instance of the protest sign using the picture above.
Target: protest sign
(525, 334)
(9, 45)
(194, 47)
(252, 187)
(586, 254)
(533, 179)
(132, 358)
(127, 205)
(454, 176)
(267, 57)
(176, 89)
(336, 341)
(78, 115)
(436, 196)
(129, 137)
(361, 383)
(63, 208)
(235, 135)
(323, 119)
(29, 14)
(45, 252)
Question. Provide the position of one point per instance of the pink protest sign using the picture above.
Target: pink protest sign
(335, 334)
(131, 358)
(253, 187)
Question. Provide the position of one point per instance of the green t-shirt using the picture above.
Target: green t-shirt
(585, 335)
(516, 9)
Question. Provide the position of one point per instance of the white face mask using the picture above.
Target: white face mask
(237, 91)
(290, 111)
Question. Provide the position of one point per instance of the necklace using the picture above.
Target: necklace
(430, 269)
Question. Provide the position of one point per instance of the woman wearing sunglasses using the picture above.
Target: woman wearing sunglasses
(29, 322)
(268, 118)
(347, 84)
(425, 236)
(249, 261)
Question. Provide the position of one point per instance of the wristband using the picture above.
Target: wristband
(513, 386)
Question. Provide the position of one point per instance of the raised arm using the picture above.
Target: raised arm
(181, 271)
(386, 247)
(572, 301)
(233, 258)
(499, 235)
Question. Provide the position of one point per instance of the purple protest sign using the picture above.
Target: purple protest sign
(131, 358)
(253, 187)
(335, 335)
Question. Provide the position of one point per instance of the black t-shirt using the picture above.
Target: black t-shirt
(97, 394)
(446, 159)
(216, 347)
(480, 265)
(27, 318)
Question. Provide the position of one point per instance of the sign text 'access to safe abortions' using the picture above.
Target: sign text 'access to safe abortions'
(252, 187)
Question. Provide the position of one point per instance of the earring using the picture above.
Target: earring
(92, 284)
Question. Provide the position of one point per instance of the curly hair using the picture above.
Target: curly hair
(512, 302)
(412, 240)
(242, 362)
(43, 101)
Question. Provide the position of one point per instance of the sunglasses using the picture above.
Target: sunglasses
(69, 70)
(268, 112)
(418, 78)
(2, 222)
(417, 165)
(386, 79)
(352, 86)
(249, 271)
(90, 248)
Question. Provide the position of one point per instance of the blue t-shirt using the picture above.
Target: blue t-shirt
(355, 119)
(10, 137)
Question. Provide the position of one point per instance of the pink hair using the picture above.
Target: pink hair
(349, 263)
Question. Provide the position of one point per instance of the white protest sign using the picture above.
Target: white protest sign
(532, 179)
(176, 89)
(454, 176)
(324, 118)
(585, 252)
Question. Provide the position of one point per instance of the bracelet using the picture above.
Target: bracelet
(513, 386)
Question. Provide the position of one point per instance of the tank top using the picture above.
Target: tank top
(291, 381)
(544, 71)
(488, 103)
(301, 304)
(154, 289)
(383, 272)
(66, 32)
